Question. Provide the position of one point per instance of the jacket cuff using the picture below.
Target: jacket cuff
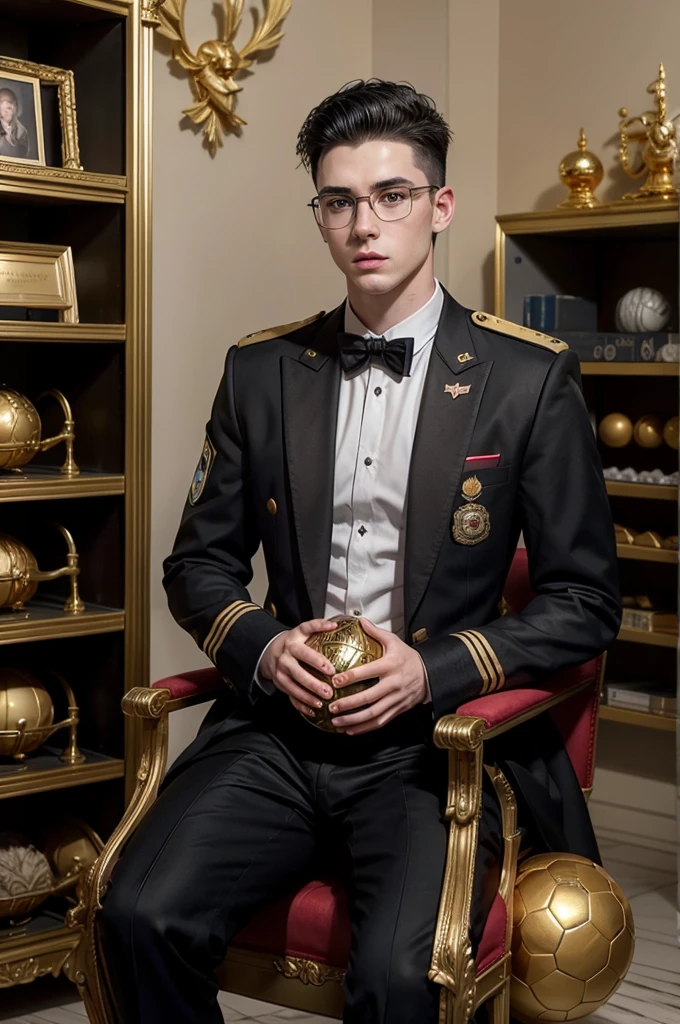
(460, 666)
(235, 642)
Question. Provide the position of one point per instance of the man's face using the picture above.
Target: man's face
(7, 108)
(402, 245)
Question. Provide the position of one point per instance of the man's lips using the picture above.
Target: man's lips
(369, 260)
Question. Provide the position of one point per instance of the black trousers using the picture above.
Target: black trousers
(246, 822)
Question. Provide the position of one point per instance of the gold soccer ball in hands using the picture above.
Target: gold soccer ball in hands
(573, 938)
(348, 646)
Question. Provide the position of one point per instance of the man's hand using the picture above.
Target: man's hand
(281, 663)
(402, 684)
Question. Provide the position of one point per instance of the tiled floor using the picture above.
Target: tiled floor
(651, 991)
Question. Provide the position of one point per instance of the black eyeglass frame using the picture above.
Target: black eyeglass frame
(356, 199)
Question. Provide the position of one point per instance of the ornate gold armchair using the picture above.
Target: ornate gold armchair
(295, 951)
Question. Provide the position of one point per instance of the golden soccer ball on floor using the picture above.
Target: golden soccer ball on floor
(346, 647)
(573, 938)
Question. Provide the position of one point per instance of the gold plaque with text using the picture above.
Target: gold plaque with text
(38, 277)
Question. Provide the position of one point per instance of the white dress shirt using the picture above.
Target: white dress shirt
(377, 416)
(376, 425)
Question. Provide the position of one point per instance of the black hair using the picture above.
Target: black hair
(375, 109)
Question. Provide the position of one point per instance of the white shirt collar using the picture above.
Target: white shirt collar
(421, 325)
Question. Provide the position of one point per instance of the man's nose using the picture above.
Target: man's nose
(365, 220)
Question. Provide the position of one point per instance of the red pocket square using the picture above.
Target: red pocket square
(481, 461)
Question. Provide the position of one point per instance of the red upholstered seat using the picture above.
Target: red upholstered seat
(313, 923)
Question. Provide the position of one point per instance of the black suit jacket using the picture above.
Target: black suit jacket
(267, 477)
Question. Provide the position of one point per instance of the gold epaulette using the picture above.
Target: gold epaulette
(278, 332)
(493, 323)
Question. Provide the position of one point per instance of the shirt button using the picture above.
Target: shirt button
(368, 461)
(362, 531)
(356, 611)
(378, 391)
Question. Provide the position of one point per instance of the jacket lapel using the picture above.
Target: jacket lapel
(443, 433)
(311, 384)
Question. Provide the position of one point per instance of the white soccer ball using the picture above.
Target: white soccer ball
(642, 309)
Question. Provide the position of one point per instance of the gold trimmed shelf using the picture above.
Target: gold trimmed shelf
(49, 183)
(33, 330)
(626, 716)
(43, 619)
(641, 554)
(605, 218)
(658, 492)
(45, 772)
(42, 946)
(46, 482)
(630, 369)
(641, 636)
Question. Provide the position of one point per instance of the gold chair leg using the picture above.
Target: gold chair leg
(498, 1008)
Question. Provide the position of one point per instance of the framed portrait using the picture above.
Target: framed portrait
(21, 124)
(37, 116)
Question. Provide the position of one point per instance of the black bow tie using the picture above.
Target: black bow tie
(356, 353)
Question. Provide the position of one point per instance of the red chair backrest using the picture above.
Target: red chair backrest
(576, 718)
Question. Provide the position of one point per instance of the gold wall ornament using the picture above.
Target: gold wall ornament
(656, 136)
(213, 66)
(581, 172)
(19, 573)
(27, 717)
(20, 430)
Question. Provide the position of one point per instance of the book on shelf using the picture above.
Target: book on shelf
(649, 621)
(617, 347)
(647, 696)
(549, 313)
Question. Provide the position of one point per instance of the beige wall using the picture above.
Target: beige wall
(516, 79)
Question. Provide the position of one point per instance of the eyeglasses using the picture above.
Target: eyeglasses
(334, 210)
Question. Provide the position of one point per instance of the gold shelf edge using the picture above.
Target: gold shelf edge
(641, 554)
(605, 216)
(641, 636)
(58, 938)
(41, 188)
(23, 330)
(121, 7)
(653, 492)
(70, 625)
(642, 719)
(63, 777)
(630, 369)
(75, 487)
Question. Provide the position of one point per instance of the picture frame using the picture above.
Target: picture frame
(27, 80)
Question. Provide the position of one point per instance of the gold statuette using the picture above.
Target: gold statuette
(656, 137)
(581, 172)
(20, 430)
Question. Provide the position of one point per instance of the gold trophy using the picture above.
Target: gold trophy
(27, 718)
(657, 139)
(20, 430)
(19, 573)
(346, 647)
(581, 172)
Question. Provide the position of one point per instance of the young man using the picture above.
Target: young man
(386, 455)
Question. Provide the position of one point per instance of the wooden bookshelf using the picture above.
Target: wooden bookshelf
(641, 554)
(643, 719)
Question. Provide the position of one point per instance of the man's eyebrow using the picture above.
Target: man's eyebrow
(341, 190)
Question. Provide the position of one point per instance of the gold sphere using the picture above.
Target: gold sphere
(670, 432)
(19, 427)
(17, 566)
(581, 172)
(348, 646)
(648, 432)
(22, 696)
(573, 938)
(615, 430)
(71, 847)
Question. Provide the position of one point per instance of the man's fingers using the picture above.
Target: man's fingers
(357, 700)
(317, 626)
(302, 708)
(294, 690)
(304, 653)
(292, 667)
(369, 716)
(375, 631)
(354, 675)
